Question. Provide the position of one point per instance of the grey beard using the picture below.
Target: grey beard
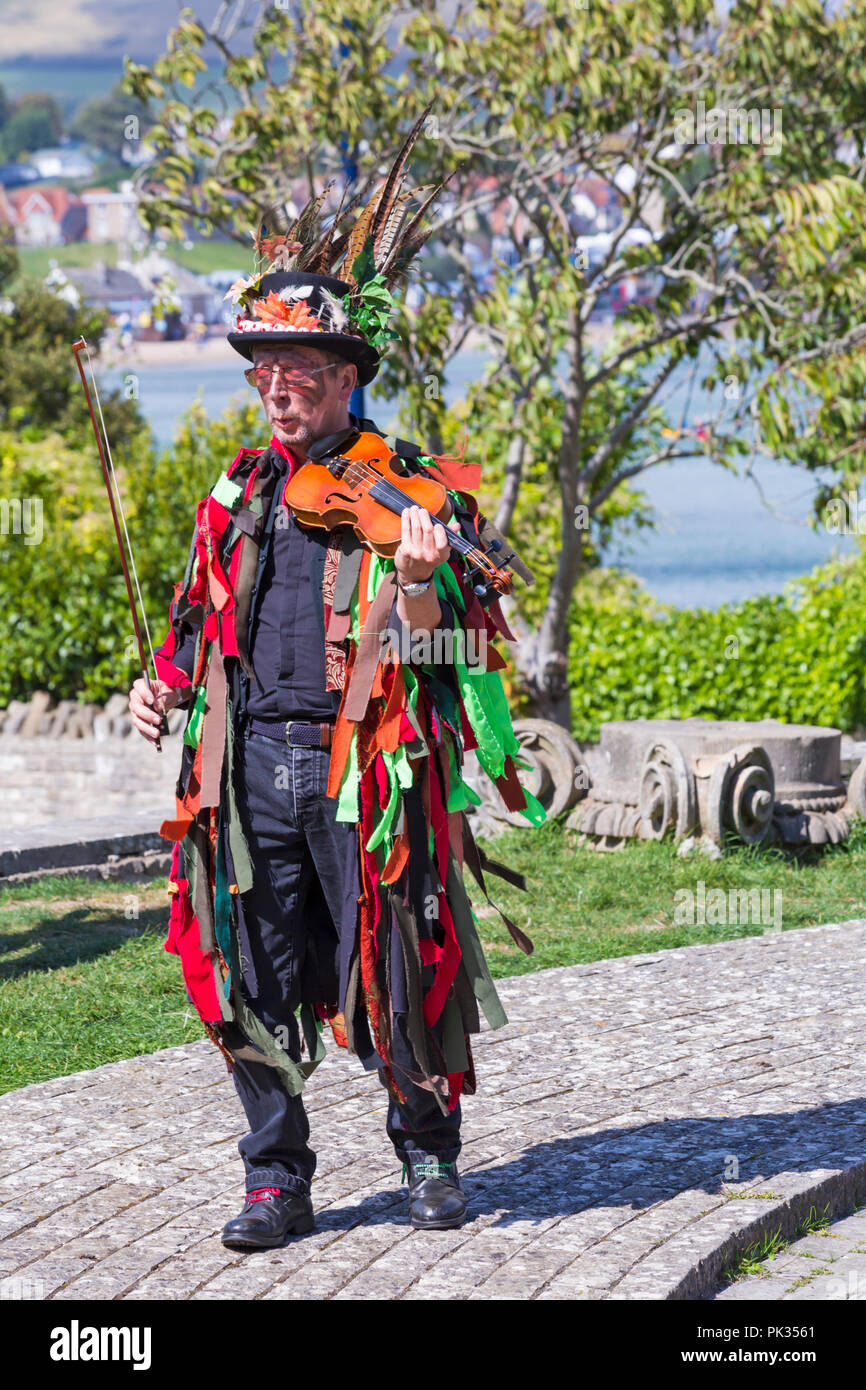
(301, 435)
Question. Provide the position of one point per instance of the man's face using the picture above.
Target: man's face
(307, 394)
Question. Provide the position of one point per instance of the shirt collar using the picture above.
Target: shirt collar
(284, 452)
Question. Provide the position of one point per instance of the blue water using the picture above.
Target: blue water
(715, 540)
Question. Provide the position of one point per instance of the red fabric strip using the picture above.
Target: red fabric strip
(183, 940)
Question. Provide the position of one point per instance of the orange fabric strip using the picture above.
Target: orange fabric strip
(176, 829)
(396, 861)
(344, 731)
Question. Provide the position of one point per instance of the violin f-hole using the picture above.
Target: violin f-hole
(340, 496)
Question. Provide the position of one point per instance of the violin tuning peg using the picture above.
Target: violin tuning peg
(479, 589)
(494, 545)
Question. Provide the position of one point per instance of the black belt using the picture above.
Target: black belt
(295, 733)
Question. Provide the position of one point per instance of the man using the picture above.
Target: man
(320, 830)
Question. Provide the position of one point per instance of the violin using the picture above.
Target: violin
(350, 479)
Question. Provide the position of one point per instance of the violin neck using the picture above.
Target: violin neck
(387, 495)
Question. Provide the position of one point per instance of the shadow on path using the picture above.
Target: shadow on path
(639, 1166)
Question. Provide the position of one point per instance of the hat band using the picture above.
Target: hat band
(243, 325)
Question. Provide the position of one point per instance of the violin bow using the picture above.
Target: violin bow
(124, 545)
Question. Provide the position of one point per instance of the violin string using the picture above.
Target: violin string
(360, 467)
(119, 501)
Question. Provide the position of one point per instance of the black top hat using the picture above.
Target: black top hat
(295, 306)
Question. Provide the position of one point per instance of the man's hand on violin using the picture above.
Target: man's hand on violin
(423, 546)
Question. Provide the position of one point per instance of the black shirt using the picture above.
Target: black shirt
(286, 650)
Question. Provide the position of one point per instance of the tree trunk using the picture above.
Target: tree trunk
(542, 656)
(511, 486)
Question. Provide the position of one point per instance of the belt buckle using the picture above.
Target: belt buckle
(288, 739)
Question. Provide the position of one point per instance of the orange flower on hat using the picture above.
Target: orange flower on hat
(277, 249)
(275, 311)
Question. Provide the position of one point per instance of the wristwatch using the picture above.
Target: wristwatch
(415, 590)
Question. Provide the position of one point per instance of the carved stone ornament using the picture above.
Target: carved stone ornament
(758, 781)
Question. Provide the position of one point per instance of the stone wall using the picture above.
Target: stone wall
(43, 716)
(57, 766)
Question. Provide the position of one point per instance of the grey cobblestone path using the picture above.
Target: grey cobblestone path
(637, 1120)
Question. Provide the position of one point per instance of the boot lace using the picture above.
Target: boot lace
(430, 1168)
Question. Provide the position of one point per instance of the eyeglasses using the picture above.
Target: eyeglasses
(262, 376)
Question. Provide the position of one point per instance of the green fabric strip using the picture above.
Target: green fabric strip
(223, 911)
(400, 774)
(312, 1030)
(192, 732)
(292, 1074)
(473, 955)
(226, 491)
(453, 1041)
(347, 802)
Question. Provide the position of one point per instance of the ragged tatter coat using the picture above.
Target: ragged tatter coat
(408, 943)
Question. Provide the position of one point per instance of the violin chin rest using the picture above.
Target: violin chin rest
(331, 444)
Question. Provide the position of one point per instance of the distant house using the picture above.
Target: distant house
(112, 215)
(111, 287)
(7, 211)
(47, 216)
(196, 298)
(596, 205)
(62, 162)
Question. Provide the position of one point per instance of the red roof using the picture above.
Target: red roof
(41, 198)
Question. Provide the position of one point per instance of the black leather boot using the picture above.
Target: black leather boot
(436, 1199)
(268, 1216)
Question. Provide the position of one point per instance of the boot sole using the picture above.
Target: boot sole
(302, 1227)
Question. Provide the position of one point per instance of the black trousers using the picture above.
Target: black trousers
(289, 946)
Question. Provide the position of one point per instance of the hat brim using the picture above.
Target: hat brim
(365, 357)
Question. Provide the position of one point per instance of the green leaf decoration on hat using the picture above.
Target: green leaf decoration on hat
(370, 309)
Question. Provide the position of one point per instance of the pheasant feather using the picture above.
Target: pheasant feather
(389, 192)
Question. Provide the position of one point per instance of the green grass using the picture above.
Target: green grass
(83, 983)
(36, 260)
(204, 256)
(582, 905)
(80, 983)
(754, 1258)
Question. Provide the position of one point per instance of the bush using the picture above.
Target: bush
(65, 624)
(797, 657)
